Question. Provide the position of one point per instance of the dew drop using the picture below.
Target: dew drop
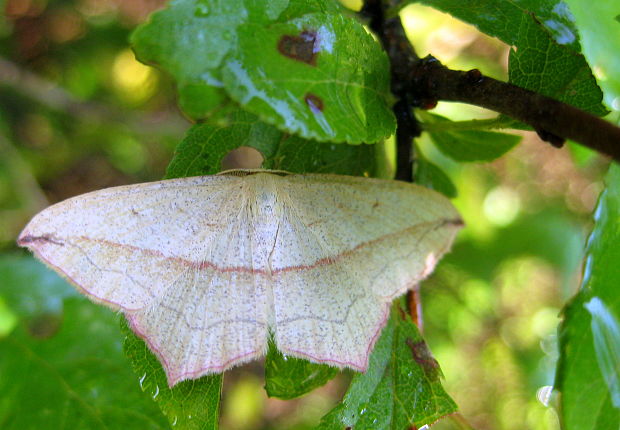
(142, 380)
(156, 391)
(543, 394)
(202, 10)
(174, 422)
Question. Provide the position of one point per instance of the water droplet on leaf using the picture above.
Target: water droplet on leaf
(202, 10)
(156, 392)
(142, 380)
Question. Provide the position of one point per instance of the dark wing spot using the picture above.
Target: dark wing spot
(300, 48)
(24, 241)
(314, 102)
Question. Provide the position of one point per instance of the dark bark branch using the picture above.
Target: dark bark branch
(553, 120)
(422, 82)
(402, 60)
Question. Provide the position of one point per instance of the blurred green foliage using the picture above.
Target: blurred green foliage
(78, 112)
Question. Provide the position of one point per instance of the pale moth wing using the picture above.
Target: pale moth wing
(205, 268)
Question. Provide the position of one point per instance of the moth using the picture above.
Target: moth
(207, 268)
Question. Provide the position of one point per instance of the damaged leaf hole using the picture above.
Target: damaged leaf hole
(243, 157)
(304, 47)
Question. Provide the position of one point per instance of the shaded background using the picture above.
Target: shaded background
(78, 113)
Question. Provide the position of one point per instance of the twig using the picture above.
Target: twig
(553, 120)
(423, 82)
(414, 303)
(402, 59)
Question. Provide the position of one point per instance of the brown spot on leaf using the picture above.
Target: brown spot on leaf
(300, 48)
(314, 102)
(423, 356)
(44, 326)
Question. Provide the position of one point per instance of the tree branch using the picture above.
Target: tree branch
(553, 120)
(402, 60)
(423, 82)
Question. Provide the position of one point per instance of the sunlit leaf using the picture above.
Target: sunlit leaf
(205, 146)
(302, 66)
(546, 56)
(191, 404)
(319, 76)
(290, 377)
(62, 366)
(401, 387)
(431, 176)
(470, 145)
(600, 35)
(588, 368)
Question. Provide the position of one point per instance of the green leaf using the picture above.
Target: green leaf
(191, 404)
(541, 65)
(335, 90)
(470, 145)
(547, 56)
(62, 366)
(205, 146)
(290, 377)
(401, 387)
(169, 40)
(589, 364)
(600, 35)
(200, 101)
(320, 76)
(431, 176)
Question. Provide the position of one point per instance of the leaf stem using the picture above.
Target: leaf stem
(474, 124)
